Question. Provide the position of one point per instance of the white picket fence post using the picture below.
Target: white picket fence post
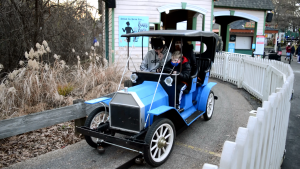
(262, 144)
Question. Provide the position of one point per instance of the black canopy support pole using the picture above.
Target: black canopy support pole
(142, 48)
(201, 47)
(181, 54)
(128, 51)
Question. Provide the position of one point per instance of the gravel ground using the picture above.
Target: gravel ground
(32, 144)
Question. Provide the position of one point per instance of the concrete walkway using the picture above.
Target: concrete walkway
(293, 136)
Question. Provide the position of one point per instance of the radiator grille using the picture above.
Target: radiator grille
(125, 117)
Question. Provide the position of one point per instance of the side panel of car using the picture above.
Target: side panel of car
(170, 113)
(203, 95)
(206, 79)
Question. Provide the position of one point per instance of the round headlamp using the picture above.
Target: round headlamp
(168, 81)
(133, 78)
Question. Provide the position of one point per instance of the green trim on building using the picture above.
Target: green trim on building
(264, 26)
(203, 29)
(203, 23)
(232, 12)
(255, 33)
(113, 35)
(194, 27)
(227, 37)
(106, 34)
(183, 5)
(212, 15)
(243, 51)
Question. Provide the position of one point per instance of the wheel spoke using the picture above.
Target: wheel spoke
(160, 131)
(165, 131)
(152, 148)
(157, 136)
(167, 136)
(155, 141)
(155, 152)
(163, 149)
(159, 153)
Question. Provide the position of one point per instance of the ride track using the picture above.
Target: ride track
(200, 143)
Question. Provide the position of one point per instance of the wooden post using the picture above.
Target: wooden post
(81, 121)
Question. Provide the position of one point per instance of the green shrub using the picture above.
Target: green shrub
(64, 90)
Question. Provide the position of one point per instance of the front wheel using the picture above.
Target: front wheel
(160, 138)
(209, 106)
(95, 118)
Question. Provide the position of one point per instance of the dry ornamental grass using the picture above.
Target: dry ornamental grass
(37, 86)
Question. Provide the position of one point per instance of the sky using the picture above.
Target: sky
(93, 3)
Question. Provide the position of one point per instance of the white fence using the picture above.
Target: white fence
(262, 144)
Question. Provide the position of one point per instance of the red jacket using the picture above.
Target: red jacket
(288, 49)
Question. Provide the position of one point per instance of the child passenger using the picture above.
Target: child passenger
(173, 66)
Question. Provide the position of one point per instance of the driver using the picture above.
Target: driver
(183, 71)
(155, 58)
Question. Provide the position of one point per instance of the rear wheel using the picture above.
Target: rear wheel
(209, 106)
(160, 138)
(95, 118)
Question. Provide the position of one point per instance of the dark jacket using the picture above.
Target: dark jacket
(298, 50)
(185, 72)
(293, 50)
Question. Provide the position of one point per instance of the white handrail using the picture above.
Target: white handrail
(262, 143)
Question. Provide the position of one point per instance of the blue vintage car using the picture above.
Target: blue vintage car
(145, 113)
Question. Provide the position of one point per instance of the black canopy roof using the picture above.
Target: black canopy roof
(210, 39)
(173, 33)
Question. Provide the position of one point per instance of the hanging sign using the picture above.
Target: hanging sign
(133, 24)
(231, 47)
(260, 44)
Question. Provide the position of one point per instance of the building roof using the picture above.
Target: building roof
(250, 4)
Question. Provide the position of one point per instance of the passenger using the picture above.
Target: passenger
(155, 58)
(174, 67)
(288, 52)
(187, 51)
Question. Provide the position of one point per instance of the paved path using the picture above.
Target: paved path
(200, 143)
(293, 136)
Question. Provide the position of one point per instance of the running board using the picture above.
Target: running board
(193, 116)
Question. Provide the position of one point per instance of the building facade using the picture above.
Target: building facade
(121, 17)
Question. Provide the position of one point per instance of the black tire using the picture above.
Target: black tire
(208, 114)
(161, 147)
(91, 140)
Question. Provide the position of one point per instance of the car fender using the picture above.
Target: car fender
(170, 113)
(202, 98)
(101, 104)
(105, 100)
